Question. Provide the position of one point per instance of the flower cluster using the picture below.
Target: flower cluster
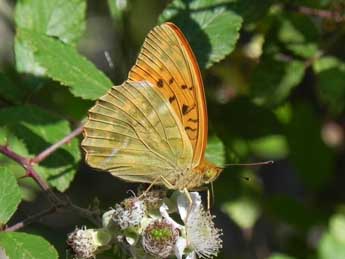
(143, 227)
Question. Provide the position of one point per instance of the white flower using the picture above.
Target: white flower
(85, 242)
(159, 238)
(129, 213)
(201, 236)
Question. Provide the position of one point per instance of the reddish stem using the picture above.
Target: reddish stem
(324, 14)
(25, 163)
(30, 219)
(57, 202)
(47, 152)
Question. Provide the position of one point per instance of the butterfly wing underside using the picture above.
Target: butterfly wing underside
(133, 133)
(168, 63)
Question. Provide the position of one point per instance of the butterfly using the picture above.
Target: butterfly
(153, 127)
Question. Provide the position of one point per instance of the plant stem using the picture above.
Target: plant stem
(68, 205)
(56, 201)
(45, 153)
(30, 219)
(25, 163)
(324, 14)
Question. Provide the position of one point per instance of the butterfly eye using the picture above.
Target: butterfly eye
(208, 176)
(211, 174)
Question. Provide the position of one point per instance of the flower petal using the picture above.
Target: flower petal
(191, 255)
(164, 212)
(183, 204)
(180, 246)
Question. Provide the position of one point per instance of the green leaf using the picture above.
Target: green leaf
(250, 10)
(21, 245)
(280, 256)
(211, 29)
(330, 72)
(28, 187)
(118, 8)
(309, 154)
(64, 19)
(215, 151)
(10, 195)
(271, 146)
(337, 227)
(244, 211)
(330, 247)
(299, 34)
(39, 129)
(273, 87)
(64, 64)
(10, 91)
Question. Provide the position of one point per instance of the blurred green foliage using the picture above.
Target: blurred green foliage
(274, 75)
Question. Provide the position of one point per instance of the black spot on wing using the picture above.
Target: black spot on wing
(193, 120)
(184, 86)
(172, 98)
(160, 83)
(185, 109)
(171, 80)
(189, 128)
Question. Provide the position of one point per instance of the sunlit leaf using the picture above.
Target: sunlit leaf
(38, 129)
(280, 256)
(64, 19)
(330, 247)
(215, 151)
(10, 195)
(244, 211)
(64, 64)
(19, 245)
(337, 227)
(272, 146)
(212, 29)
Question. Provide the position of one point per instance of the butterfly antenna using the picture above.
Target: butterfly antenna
(269, 162)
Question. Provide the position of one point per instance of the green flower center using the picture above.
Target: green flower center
(161, 234)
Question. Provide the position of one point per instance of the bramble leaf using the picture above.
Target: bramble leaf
(19, 245)
(10, 195)
(212, 29)
(64, 64)
(38, 129)
(64, 19)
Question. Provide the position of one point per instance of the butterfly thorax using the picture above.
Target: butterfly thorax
(204, 173)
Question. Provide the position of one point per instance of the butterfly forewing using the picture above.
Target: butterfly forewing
(168, 63)
(133, 133)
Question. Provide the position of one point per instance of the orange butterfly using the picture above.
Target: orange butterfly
(153, 127)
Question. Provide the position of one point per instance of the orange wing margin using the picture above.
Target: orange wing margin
(167, 61)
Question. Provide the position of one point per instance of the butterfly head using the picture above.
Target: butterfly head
(211, 173)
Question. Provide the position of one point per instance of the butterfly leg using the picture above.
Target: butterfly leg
(149, 188)
(167, 183)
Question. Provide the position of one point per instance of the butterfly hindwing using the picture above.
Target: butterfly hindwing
(133, 133)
